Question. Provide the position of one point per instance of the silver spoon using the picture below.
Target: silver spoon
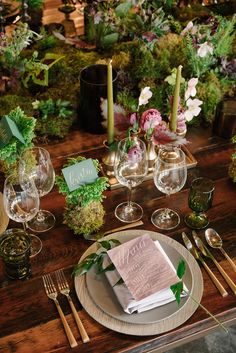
(215, 241)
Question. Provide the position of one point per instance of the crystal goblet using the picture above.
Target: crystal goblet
(170, 174)
(130, 168)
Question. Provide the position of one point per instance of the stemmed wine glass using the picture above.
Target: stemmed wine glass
(21, 202)
(199, 200)
(130, 168)
(35, 163)
(170, 174)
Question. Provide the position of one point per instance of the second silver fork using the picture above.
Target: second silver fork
(64, 289)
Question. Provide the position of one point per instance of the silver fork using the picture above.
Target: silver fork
(52, 294)
(64, 289)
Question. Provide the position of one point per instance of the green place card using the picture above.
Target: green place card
(80, 174)
(8, 129)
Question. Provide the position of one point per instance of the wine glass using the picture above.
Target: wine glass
(35, 163)
(130, 168)
(170, 174)
(199, 200)
(21, 203)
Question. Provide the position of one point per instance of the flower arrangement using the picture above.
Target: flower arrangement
(84, 211)
(150, 121)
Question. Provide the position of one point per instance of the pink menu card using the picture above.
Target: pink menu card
(143, 266)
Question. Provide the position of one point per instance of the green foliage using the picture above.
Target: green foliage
(11, 48)
(37, 4)
(224, 37)
(47, 41)
(54, 118)
(85, 193)
(37, 70)
(177, 288)
(96, 259)
(10, 153)
(85, 220)
(209, 91)
(9, 102)
(232, 166)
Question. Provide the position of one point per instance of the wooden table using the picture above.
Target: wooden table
(29, 320)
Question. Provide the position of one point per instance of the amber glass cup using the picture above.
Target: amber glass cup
(199, 200)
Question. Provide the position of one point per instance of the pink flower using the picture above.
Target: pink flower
(133, 118)
(135, 154)
(163, 136)
(181, 121)
(149, 119)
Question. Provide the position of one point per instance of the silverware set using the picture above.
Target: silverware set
(64, 289)
(201, 251)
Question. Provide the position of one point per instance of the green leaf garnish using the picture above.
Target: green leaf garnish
(177, 289)
(96, 259)
(181, 269)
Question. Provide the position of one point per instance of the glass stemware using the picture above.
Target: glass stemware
(170, 174)
(199, 200)
(36, 163)
(130, 168)
(21, 202)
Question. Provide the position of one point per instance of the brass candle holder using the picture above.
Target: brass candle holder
(108, 160)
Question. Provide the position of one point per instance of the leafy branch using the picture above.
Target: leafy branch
(178, 289)
(96, 259)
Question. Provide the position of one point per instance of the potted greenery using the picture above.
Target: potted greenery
(84, 212)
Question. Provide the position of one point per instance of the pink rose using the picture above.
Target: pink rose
(149, 119)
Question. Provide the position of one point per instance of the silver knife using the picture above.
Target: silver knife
(206, 252)
(191, 248)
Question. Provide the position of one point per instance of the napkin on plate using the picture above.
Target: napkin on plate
(126, 299)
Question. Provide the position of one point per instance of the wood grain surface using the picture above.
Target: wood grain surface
(29, 320)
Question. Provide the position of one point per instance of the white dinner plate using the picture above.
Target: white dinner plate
(99, 300)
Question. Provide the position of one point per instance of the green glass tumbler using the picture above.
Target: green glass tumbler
(15, 252)
(199, 200)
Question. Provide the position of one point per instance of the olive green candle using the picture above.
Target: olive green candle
(174, 112)
(110, 107)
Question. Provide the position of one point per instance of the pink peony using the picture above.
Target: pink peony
(135, 154)
(149, 119)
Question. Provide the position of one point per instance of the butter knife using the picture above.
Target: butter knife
(99, 235)
(191, 248)
(206, 252)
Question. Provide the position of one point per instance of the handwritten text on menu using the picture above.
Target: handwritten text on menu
(143, 266)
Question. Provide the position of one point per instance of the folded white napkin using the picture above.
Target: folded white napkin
(125, 298)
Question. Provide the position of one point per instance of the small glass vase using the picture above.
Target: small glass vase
(151, 154)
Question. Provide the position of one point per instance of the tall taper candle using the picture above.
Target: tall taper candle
(110, 107)
(175, 104)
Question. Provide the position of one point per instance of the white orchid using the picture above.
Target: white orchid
(145, 95)
(204, 49)
(193, 108)
(191, 90)
(187, 28)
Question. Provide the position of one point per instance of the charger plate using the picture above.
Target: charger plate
(100, 302)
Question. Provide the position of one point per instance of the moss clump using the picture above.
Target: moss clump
(209, 91)
(232, 166)
(84, 212)
(85, 220)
